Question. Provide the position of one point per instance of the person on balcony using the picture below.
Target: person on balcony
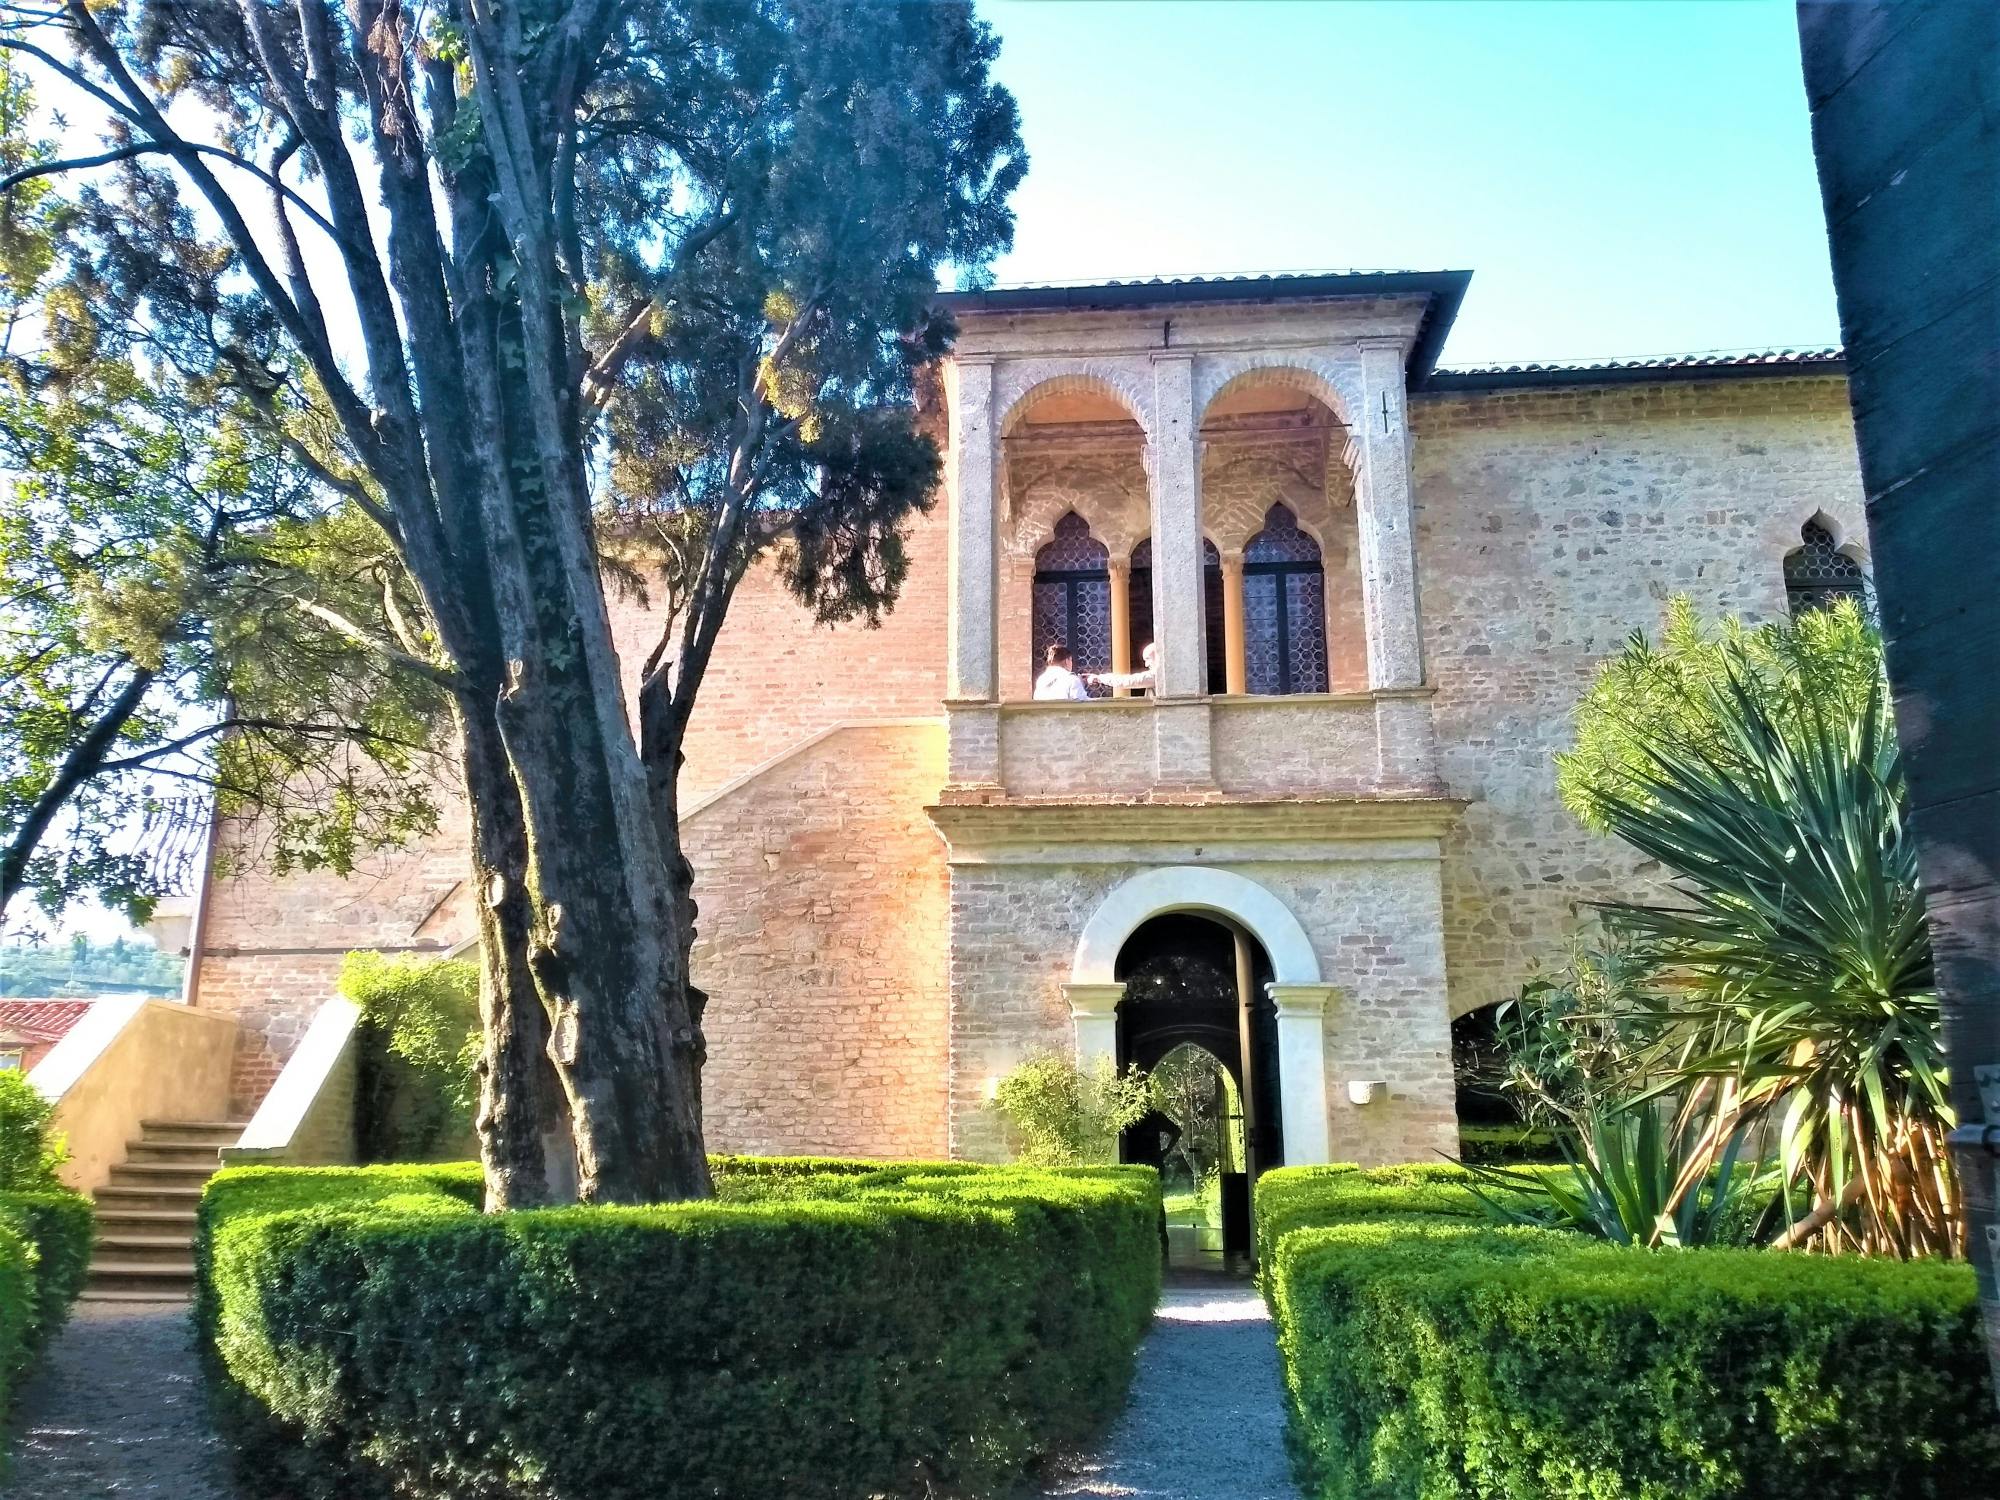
(1139, 681)
(1059, 680)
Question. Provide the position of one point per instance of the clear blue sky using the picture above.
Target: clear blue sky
(1621, 178)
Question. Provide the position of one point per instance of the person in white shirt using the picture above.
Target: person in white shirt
(1150, 655)
(1059, 680)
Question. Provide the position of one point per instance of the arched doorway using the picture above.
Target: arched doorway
(1195, 1006)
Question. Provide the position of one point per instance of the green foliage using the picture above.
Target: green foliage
(1430, 1356)
(1640, 1179)
(1487, 1145)
(1574, 1043)
(838, 1329)
(84, 968)
(45, 1240)
(1798, 958)
(1064, 1117)
(30, 1148)
(420, 1043)
(1824, 665)
(62, 1227)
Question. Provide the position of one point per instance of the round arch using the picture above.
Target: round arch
(1281, 371)
(1016, 401)
(1193, 888)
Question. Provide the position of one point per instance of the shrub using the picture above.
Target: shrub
(1498, 1144)
(826, 1328)
(30, 1150)
(418, 1052)
(1065, 1117)
(61, 1227)
(17, 1307)
(1427, 1355)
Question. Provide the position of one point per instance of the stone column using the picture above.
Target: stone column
(1235, 651)
(1175, 471)
(972, 661)
(1302, 1070)
(1385, 520)
(1121, 619)
(1094, 1008)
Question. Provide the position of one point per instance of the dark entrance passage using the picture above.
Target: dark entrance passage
(1196, 1016)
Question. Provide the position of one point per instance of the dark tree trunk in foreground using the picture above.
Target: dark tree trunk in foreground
(1905, 103)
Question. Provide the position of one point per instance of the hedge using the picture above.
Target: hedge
(823, 1328)
(1429, 1355)
(45, 1240)
(1508, 1143)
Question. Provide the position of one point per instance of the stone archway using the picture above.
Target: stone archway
(1094, 989)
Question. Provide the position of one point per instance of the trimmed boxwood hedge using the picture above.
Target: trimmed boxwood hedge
(45, 1240)
(823, 1328)
(1429, 1355)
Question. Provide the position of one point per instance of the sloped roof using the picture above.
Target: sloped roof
(1444, 290)
(40, 1020)
(1732, 364)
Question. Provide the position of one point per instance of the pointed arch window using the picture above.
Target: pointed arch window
(1073, 597)
(1284, 608)
(1818, 574)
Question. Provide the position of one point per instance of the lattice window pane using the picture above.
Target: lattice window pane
(1284, 609)
(1072, 549)
(1305, 618)
(1072, 598)
(1817, 574)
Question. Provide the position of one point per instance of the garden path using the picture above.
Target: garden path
(1206, 1418)
(114, 1411)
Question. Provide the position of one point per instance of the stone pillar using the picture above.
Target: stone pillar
(1094, 1008)
(1121, 620)
(1235, 651)
(1173, 450)
(972, 659)
(1385, 520)
(1302, 1070)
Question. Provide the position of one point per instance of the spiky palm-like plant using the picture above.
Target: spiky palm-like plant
(1800, 960)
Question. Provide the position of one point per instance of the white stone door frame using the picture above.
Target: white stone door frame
(1094, 989)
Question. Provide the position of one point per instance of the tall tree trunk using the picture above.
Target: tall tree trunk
(85, 757)
(523, 1121)
(1905, 103)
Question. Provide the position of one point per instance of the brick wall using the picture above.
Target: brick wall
(823, 928)
(1550, 525)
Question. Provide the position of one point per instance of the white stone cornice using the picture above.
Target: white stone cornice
(1090, 999)
(1300, 1000)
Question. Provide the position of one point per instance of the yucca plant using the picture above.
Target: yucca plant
(1642, 1178)
(1799, 960)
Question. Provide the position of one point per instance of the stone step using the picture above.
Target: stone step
(119, 1198)
(176, 1153)
(203, 1128)
(120, 1294)
(167, 1281)
(113, 1220)
(145, 1247)
(163, 1174)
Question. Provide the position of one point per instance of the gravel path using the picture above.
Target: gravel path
(115, 1410)
(1206, 1420)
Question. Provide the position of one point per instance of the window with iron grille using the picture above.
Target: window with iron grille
(1284, 608)
(1139, 591)
(1072, 601)
(1818, 575)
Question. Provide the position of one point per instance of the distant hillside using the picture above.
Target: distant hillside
(80, 967)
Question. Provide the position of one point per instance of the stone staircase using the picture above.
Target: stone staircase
(145, 1214)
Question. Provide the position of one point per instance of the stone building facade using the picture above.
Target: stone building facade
(1376, 589)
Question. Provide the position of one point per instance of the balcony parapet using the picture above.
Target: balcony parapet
(1309, 745)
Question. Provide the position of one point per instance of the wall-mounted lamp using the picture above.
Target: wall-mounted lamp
(1366, 1091)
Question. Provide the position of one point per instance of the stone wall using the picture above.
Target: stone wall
(1371, 911)
(1550, 525)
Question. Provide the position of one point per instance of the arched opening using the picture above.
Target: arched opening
(1195, 989)
(1141, 612)
(1284, 608)
(1072, 598)
(1818, 574)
